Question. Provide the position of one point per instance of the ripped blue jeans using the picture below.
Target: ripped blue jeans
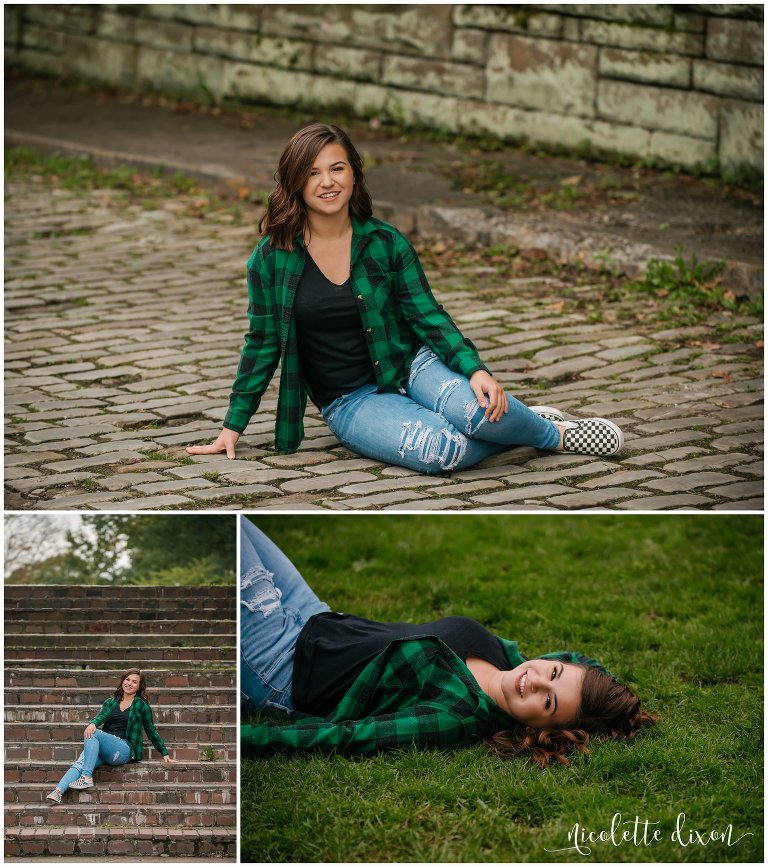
(101, 749)
(436, 425)
(275, 603)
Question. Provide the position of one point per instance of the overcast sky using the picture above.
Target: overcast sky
(34, 536)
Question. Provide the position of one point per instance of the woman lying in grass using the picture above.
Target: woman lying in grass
(356, 686)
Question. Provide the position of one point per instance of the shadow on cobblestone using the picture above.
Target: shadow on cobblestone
(124, 324)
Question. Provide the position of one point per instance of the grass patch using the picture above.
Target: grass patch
(671, 604)
(495, 183)
(688, 290)
(82, 174)
(158, 455)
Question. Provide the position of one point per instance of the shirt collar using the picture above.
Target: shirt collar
(360, 229)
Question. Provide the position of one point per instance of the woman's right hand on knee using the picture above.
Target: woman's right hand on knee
(89, 730)
(225, 442)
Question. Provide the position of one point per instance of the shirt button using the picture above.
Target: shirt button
(369, 330)
(375, 363)
(359, 297)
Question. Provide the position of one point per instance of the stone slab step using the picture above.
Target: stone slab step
(63, 732)
(128, 794)
(136, 656)
(24, 594)
(25, 678)
(163, 714)
(69, 841)
(181, 695)
(37, 642)
(66, 750)
(115, 667)
(149, 610)
(100, 627)
(50, 773)
(116, 815)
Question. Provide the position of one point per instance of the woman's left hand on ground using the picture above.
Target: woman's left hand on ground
(490, 394)
(167, 760)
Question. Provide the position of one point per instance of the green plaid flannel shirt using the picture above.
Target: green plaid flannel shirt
(140, 714)
(397, 309)
(417, 691)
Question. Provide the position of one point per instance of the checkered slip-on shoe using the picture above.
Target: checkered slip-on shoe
(548, 412)
(592, 436)
(54, 796)
(83, 782)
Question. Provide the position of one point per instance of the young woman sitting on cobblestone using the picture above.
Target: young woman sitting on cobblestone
(341, 300)
(356, 686)
(119, 739)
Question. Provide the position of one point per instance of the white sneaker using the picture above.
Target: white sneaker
(54, 796)
(84, 782)
(548, 412)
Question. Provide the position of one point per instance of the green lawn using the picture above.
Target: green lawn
(671, 604)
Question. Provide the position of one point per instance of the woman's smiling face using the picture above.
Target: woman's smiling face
(328, 188)
(543, 692)
(130, 684)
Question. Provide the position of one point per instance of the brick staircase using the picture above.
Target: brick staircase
(65, 648)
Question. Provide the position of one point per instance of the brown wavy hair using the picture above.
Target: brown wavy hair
(609, 709)
(286, 214)
(141, 692)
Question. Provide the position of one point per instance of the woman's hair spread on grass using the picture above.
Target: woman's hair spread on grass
(608, 709)
(140, 692)
(286, 214)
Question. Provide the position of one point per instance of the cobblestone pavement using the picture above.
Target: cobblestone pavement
(123, 328)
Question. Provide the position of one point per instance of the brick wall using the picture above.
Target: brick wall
(683, 83)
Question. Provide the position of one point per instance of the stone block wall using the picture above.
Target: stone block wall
(682, 83)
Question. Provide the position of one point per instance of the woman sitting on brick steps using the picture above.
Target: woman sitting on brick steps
(119, 739)
(339, 298)
(358, 686)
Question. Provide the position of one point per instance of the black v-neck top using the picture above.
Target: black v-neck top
(333, 350)
(332, 650)
(117, 722)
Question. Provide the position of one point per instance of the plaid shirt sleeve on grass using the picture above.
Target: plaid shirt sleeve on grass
(424, 725)
(261, 352)
(428, 318)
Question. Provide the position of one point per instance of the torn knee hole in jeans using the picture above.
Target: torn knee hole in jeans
(447, 388)
(264, 597)
(471, 409)
(116, 757)
(418, 365)
(444, 447)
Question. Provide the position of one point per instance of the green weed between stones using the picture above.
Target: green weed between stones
(690, 290)
(81, 173)
(672, 604)
(158, 455)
